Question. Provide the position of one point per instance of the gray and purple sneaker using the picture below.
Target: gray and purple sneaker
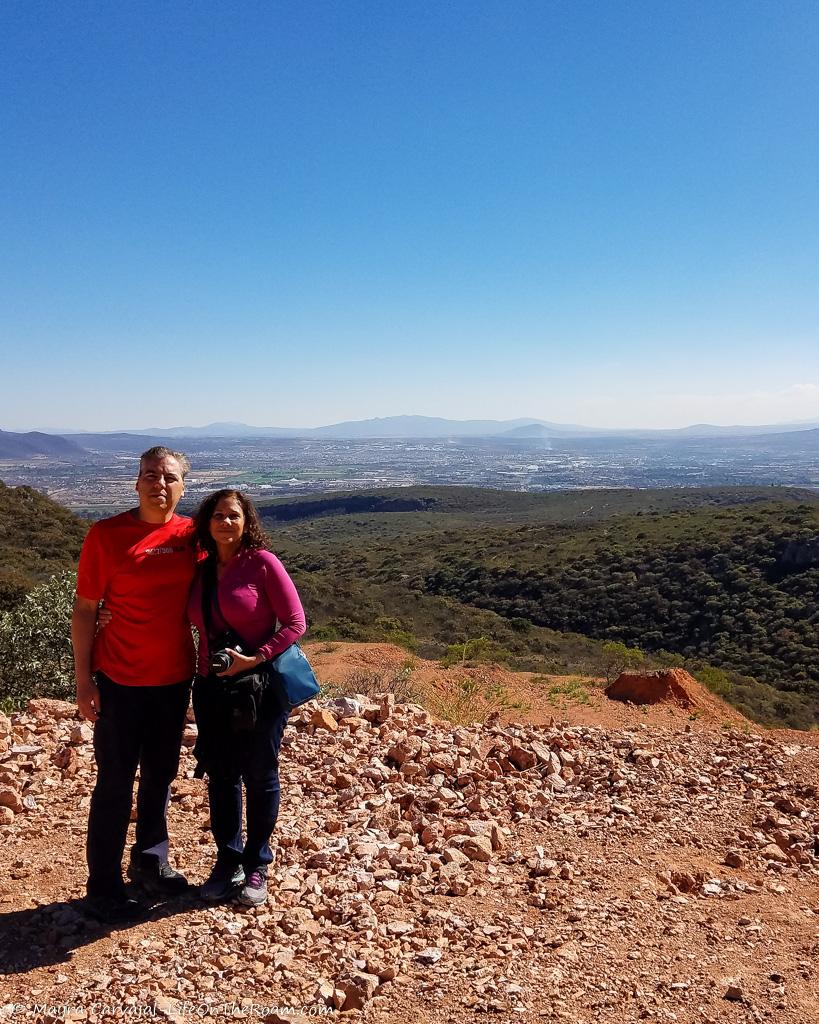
(254, 891)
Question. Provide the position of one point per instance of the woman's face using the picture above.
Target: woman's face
(227, 524)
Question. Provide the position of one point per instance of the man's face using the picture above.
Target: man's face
(160, 485)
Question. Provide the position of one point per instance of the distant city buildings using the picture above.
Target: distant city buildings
(272, 468)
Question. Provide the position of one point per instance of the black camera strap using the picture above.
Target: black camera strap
(210, 601)
(208, 594)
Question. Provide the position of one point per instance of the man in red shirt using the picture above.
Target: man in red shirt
(133, 679)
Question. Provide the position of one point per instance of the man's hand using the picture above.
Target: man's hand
(88, 698)
(83, 627)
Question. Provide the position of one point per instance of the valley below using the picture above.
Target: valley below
(99, 479)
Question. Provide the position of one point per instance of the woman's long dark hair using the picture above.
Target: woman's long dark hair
(254, 536)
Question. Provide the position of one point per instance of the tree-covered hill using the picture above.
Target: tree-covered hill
(737, 588)
(723, 580)
(38, 538)
(34, 443)
(726, 577)
(471, 506)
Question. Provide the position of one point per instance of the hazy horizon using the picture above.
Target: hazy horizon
(308, 214)
(157, 428)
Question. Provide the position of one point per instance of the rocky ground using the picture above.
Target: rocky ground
(660, 869)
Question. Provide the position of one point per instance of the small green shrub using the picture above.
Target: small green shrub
(402, 638)
(575, 691)
(322, 633)
(617, 658)
(370, 682)
(480, 649)
(470, 701)
(36, 659)
(463, 704)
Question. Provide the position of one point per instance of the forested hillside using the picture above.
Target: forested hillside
(38, 538)
(713, 577)
(721, 580)
(738, 589)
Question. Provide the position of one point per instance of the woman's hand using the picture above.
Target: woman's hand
(240, 663)
(104, 616)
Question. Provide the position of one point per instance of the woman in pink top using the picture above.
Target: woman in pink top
(247, 611)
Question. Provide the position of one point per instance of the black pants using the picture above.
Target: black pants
(233, 760)
(139, 726)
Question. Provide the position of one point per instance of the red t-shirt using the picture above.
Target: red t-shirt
(143, 571)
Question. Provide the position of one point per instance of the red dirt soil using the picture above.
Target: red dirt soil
(670, 686)
(675, 696)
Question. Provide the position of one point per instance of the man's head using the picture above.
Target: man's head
(160, 483)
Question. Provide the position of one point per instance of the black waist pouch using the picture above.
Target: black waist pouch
(244, 697)
(226, 710)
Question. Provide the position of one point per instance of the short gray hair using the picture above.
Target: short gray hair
(161, 452)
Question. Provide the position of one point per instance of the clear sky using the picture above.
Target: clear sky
(295, 212)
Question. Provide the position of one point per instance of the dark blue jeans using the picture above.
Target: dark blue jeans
(139, 726)
(250, 758)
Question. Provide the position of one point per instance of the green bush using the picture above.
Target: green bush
(322, 633)
(36, 659)
(617, 658)
(394, 631)
(480, 649)
(402, 638)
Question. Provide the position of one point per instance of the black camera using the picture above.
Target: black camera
(221, 660)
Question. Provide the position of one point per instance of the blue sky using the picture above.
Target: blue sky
(294, 213)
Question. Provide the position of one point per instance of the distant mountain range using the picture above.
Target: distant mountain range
(23, 446)
(434, 426)
(71, 445)
(703, 430)
(388, 426)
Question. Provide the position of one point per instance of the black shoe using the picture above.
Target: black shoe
(225, 880)
(118, 909)
(157, 876)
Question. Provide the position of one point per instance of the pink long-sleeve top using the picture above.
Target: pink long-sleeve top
(257, 599)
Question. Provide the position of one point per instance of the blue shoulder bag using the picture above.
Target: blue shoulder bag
(295, 675)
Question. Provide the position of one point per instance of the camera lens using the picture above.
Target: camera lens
(220, 661)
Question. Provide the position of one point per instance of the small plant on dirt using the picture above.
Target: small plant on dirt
(463, 704)
(477, 650)
(575, 690)
(402, 686)
(360, 681)
(456, 653)
(398, 682)
(498, 695)
(617, 658)
(469, 701)
(329, 690)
